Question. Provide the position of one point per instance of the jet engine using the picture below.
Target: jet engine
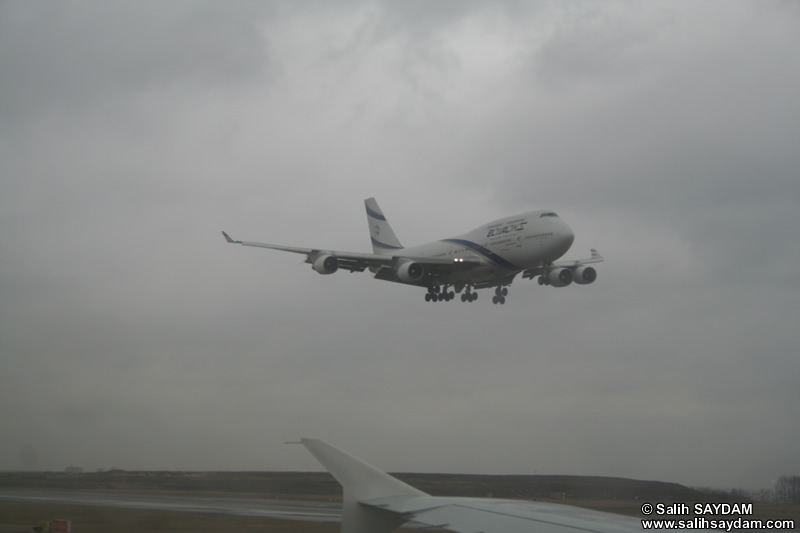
(410, 272)
(584, 275)
(325, 264)
(560, 277)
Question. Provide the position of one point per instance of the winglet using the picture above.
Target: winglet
(361, 481)
(228, 238)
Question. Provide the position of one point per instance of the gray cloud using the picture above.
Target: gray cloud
(78, 56)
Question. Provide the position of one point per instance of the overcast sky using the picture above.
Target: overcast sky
(666, 134)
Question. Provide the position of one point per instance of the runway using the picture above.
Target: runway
(283, 509)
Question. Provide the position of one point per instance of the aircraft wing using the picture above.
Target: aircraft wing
(537, 271)
(595, 258)
(375, 502)
(491, 515)
(358, 262)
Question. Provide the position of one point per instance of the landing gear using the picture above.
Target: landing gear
(500, 295)
(442, 293)
(469, 296)
(438, 294)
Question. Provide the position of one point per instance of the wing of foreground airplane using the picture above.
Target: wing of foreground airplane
(328, 261)
(375, 502)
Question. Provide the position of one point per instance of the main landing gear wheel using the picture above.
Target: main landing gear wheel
(469, 296)
(500, 295)
(430, 296)
(437, 294)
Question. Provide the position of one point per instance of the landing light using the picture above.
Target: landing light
(458, 260)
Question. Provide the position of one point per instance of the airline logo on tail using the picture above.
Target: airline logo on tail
(383, 237)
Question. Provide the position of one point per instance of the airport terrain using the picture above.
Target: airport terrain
(617, 495)
(323, 486)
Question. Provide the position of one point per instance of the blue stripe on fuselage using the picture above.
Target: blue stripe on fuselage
(484, 252)
(375, 215)
(384, 245)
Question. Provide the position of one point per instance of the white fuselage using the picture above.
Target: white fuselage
(504, 246)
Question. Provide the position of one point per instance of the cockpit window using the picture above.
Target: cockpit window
(549, 214)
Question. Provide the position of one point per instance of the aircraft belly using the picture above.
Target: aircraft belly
(481, 274)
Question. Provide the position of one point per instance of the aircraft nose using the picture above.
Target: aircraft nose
(567, 238)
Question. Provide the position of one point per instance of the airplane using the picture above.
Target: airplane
(375, 502)
(488, 256)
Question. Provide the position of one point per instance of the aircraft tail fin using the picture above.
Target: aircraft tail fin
(361, 482)
(383, 238)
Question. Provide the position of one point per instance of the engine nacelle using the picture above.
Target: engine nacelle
(325, 264)
(410, 272)
(584, 275)
(560, 277)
